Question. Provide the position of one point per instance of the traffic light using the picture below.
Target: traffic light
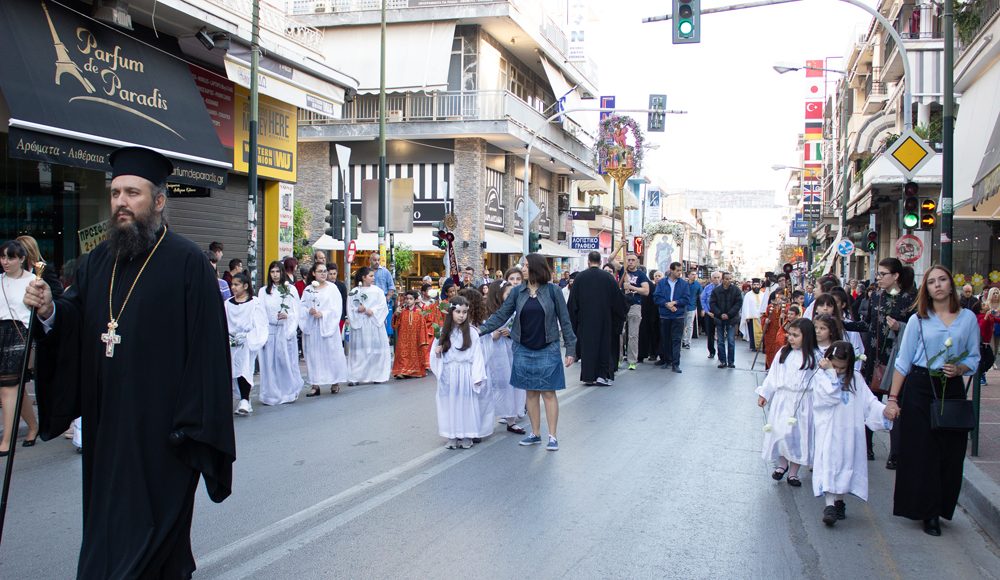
(687, 21)
(871, 242)
(909, 217)
(928, 213)
(355, 221)
(441, 239)
(335, 219)
(534, 242)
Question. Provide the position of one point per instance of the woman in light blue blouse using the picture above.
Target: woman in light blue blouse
(940, 338)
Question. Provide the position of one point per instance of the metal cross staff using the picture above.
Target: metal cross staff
(39, 268)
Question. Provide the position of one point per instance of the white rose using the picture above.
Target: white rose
(947, 342)
(315, 283)
(767, 428)
(894, 292)
(288, 284)
(792, 420)
(862, 358)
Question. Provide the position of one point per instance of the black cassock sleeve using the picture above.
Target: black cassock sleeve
(203, 419)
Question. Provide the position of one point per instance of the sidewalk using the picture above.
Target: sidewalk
(981, 488)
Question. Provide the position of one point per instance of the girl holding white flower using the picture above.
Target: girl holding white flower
(788, 437)
(457, 362)
(369, 356)
(247, 334)
(842, 406)
(280, 379)
(319, 319)
(939, 345)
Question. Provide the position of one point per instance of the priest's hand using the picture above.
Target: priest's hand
(38, 295)
(568, 361)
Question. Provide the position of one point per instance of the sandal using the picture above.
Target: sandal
(793, 480)
(516, 429)
(778, 473)
(315, 392)
(334, 389)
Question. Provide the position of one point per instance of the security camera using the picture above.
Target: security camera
(205, 39)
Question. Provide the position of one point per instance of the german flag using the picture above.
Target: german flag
(814, 130)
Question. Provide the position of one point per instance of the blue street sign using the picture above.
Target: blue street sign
(585, 243)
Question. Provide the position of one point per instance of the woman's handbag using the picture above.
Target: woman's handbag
(949, 414)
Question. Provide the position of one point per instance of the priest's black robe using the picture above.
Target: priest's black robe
(594, 300)
(157, 415)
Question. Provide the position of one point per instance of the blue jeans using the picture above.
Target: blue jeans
(726, 331)
(671, 330)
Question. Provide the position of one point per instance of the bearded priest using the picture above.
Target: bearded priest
(139, 348)
(754, 304)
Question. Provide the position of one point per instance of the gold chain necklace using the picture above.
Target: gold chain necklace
(111, 338)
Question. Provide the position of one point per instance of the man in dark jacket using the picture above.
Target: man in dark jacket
(672, 295)
(726, 302)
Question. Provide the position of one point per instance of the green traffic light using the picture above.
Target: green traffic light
(910, 220)
(685, 27)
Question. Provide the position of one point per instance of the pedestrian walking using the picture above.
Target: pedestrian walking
(715, 280)
(726, 303)
(411, 328)
(164, 353)
(280, 378)
(672, 296)
(539, 314)
(594, 302)
(843, 406)
(319, 320)
(939, 346)
(754, 303)
(484, 395)
(499, 356)
(457, 362)
(248, 330)
(649, 327)
(368, 355)
(33, 257)
(788, 392)
(14, 319)
(636, 286)
(691, 314)
(383, 277)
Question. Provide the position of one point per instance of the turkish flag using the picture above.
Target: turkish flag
(814, 109)
(813, 65)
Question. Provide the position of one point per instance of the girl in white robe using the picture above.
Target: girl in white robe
(247, 335)
(487, 404)
(369, 357)
(842, 407)
(833, 304)
(457, 362)
(508, 402)
(280, 378)
(788, 435)
(319, 319)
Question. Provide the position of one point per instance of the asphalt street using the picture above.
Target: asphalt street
(659, 476)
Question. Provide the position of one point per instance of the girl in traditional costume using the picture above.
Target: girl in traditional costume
(319, 319)
(280, 379)
(457, 362)
(247, 335)
(842, 406)
(788, 389)
(369, 357)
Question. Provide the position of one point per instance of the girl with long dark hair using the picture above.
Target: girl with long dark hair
(280, 379)
(369, 356)
(457, 362)
(319, 319)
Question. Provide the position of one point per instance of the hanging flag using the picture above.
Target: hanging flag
(814, 130)
(813, 151)
(813, 171)
(812, 65)
(814, 109)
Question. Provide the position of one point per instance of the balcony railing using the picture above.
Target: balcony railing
(274, 19)
(972, 18)
(873, 86)
(314, 6)
(908, 24)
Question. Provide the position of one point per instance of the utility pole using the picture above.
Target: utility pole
(252, 154)
(382, 168)
(948, 135)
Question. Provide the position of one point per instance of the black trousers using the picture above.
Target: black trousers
(671, 331)
(710, 334)
(245, 388)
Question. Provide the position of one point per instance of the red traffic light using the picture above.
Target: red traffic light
(910, 189)
(872, 236)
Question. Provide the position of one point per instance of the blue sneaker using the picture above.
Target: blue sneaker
(531, 439)
(553, 444)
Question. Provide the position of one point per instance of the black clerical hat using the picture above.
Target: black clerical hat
(756, 281)
(142, 162)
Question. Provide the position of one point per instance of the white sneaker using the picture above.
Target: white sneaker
(244, 408)
(604, 382)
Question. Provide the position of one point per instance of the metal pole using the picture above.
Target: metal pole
(947, 136)
(252, 153)
(381, 142)
(846, 182)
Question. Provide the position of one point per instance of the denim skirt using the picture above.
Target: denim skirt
(538, 370)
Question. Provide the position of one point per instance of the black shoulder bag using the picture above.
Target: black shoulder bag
(948, 414)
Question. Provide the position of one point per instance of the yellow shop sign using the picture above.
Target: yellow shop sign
(277, 137)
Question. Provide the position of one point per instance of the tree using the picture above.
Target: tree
(300, 215)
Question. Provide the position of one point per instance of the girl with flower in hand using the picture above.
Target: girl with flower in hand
(842, 406)
(247, 321)
(319, 319)
(939, 345)
(369, 357)
(457, 362)
(280, 379)
(788, 389)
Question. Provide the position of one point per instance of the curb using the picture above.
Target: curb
(981, 498)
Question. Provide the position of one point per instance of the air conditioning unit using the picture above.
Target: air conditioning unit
(395, 116)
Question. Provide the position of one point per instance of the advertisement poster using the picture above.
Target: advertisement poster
(286, 238)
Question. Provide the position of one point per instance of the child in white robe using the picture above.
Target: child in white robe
(247, 334)
(832, 304)
(487, 405)
(508, 402)
(280, 378)
(842, 407)
(319, 319)
(788, 388)
(369, 358)
(457, 362)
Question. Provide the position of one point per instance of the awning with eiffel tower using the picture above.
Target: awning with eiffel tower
(77, 89)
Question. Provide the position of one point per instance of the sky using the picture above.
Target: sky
(742, 116)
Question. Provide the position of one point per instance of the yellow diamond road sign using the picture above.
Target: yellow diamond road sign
(909, 153)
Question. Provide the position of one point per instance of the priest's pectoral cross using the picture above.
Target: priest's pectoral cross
(110, 339)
